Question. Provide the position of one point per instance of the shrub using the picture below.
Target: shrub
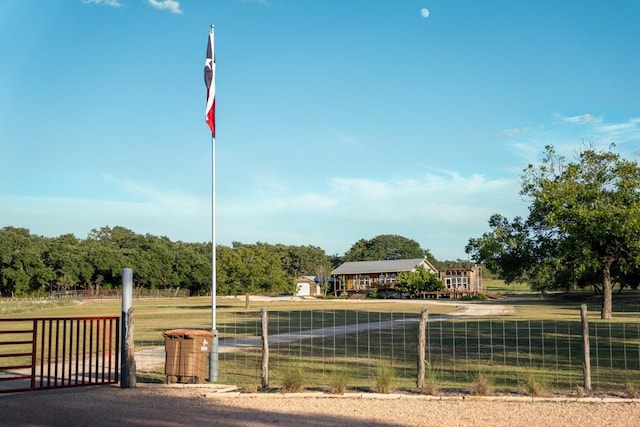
(338, 382)
(482, 386)
(534, 386)
(293, 380)
(384, 376)
(632, 391)
(431, 381)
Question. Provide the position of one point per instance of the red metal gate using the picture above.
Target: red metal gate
(45, 353)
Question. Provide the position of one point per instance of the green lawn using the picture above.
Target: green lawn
(496, 286)
(540, 339)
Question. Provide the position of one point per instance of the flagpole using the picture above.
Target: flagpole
(213, 356)
(210, 74)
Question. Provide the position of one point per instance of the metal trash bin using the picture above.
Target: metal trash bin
(187, 353)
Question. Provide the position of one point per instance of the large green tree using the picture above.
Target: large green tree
(384, 247)
(584, 221)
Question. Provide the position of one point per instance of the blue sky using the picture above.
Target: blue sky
(337, 120)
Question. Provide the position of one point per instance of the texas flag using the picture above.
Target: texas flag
(210, 81)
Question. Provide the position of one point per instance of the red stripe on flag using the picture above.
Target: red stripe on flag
(210, 82)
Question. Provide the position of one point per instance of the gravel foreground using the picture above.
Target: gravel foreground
(161, 405)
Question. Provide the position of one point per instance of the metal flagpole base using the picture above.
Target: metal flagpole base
(213, 358)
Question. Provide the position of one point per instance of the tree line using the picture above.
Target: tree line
(36, 265)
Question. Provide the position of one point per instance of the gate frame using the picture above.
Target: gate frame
(48, 378)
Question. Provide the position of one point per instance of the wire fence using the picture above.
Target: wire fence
(327, 348)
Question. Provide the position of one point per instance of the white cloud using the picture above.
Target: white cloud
(514, 131)
(441, 211)
(582, 118)
(171, 213)
(51, 216)
(172, 6)
(113, 3)
(625, 131)
(568, 134)
(170, 202)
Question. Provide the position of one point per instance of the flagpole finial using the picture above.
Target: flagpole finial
(211, 31)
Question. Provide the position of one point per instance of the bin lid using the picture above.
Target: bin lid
(187, 333)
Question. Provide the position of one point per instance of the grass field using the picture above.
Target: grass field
(495, 286)
(538, 343)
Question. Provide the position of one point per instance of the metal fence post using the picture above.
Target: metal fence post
(265, 348)
(128, 361)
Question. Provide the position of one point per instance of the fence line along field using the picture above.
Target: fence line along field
(524, 345)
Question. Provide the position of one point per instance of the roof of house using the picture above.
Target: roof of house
(314, 279)
(387, 266)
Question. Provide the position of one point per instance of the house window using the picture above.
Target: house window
(387, 279)
(459, 282)
(363, 282)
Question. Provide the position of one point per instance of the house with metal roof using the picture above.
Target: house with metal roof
(355, 276)
(358, 276)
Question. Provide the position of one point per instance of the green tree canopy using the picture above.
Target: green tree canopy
(251, 269)
(584, 221)
(22, 269)
(386, 247)
(301, 260)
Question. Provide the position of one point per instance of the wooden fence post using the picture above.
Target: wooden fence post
(586, 367)
(265, 348)
(422, 339)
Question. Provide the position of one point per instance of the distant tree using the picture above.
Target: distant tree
(22, 267)
(386, 247)
(192, 264)
(106, 258)
(336, 260)
(65, 256)
(252, 269)
(299, 260)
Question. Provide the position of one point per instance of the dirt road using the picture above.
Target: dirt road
(161, 405)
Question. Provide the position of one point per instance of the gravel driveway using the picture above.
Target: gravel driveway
(161, 405)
